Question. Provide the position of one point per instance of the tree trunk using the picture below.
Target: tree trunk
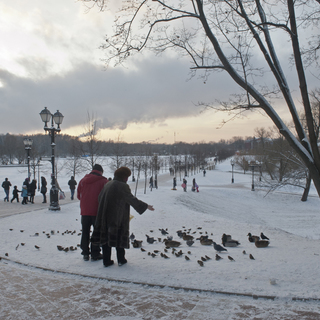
(307, 188)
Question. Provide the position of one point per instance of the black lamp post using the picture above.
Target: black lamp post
(27, 145)
(56, 118)
(260, 171)
(133, 178)
(252, 165)
(232, 165)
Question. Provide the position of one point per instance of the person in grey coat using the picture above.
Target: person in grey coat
(111, 228)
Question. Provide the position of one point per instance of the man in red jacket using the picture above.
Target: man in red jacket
(88, 192)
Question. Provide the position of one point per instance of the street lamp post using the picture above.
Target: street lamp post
(27, 145)
(133, 178)
(260, 171)
(232, 165)
(56, 118)
(252, 165)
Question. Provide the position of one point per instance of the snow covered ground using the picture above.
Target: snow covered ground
(288, 268)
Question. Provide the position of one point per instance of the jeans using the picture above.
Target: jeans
(7, 195)
(87, 222)
(72, 193)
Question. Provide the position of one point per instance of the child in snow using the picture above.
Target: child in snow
(184, 185)
(15, 194)
(24, 194)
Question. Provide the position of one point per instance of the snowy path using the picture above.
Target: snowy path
(26, 293)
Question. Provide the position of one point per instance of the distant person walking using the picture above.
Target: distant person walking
(6, 184)
(204, 172)
(112, 224)
(72, 185)
(43, 189)
(15, 194)
(156, 182)
(88, 192)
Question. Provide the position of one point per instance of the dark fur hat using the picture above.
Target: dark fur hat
(122, 173)
(97, 167)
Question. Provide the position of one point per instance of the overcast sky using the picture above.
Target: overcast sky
(50, 57)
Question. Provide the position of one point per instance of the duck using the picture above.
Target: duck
(252, 238)
(206, 242)
(227, 241)
(261, 243)
(186, 236)
(202, 237)
(172, 243)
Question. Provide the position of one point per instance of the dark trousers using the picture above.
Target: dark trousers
(72, 193)
(87, 222)
(15, 197)
(106, 251)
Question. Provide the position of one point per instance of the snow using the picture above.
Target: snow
(287, 269)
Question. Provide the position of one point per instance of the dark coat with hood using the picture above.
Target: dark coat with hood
(32, 187)
(43, 189)
(112, 222)
(88, 192)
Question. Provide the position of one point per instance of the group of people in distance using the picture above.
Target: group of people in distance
(105, 205)
(28, 190)
(194, 187)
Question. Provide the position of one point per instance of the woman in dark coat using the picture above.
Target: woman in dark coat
(112, 223)
(32, 189)
(43, 189)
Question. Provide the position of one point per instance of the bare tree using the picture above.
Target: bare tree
(230, 36)
(74, 165)
(92, 148)
(118, 154)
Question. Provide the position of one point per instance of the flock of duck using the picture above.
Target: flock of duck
(189, 237)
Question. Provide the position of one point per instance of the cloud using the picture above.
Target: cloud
(155, 90)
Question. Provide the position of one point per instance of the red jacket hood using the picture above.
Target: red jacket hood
(92, 177)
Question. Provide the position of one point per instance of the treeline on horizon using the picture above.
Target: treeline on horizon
(12, 147)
